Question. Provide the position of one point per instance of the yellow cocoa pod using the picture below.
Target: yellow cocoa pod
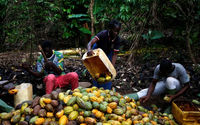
(49, 114)
(97, 75)
(75, 107)
(80, 119)
(112, 105)
(24, 105)
(90, 120)
(108, 78)
(73, 115)
(98, 114)
(39, 121)
(47, 100)
(106, 123)
(42, 104)
(77, 94)
(60, 113)
(63, 120)
(166, 98)
(61, 96)
(109, 110)
(12, 91)
(66, 98)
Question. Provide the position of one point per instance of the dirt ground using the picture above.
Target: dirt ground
(129, 79)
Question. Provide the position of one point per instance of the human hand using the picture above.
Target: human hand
(144, 99)
(90, 53)
(169, 98)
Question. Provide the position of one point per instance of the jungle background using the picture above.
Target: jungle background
(151, 30)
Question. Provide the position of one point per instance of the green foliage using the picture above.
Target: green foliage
(152, 35)
(28, 21)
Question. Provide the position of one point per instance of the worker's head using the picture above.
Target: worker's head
(166, 67)
(47, 48)
(114, 28)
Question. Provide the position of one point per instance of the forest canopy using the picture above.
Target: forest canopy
(72, 23)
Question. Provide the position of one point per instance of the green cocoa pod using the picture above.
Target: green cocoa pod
(128, 114)
(6, 116)
(115, 99)
(88, 105)
(101, 79)
(87, 113)
(68, 110)
(73, 115)
(71, 101)
(15, 118)
(28, 111)
(80, 102)
(119, 111)
(85, 98)
(95, 105)
(195, 102)
(103, 108)
(122, 102)
(33, 119)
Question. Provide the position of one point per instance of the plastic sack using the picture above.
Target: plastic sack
(25, 93)
(5, 107)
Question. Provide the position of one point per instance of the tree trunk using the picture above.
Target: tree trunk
(92, 17)
(188, 30)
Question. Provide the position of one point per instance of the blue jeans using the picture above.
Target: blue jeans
(106, 85)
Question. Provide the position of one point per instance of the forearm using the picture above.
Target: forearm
(90, 44)
(36, 74)
(151, 87)
(182, 90)
(114, 58)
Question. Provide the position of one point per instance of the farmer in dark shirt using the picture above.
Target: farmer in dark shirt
(109, 42)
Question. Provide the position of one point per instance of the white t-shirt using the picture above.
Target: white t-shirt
(178, 73)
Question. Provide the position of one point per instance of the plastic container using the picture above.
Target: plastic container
(186, 113)
(25, 93)
(99, 63)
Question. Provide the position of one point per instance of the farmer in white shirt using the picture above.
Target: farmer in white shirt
(169, 78)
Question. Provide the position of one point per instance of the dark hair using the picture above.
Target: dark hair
(165, 65)
(45, 44)
(113, 23)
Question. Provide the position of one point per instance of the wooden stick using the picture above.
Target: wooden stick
(43, 54)
(2, 83)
